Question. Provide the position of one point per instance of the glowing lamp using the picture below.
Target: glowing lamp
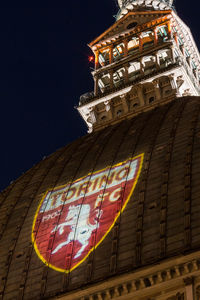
(91, 58)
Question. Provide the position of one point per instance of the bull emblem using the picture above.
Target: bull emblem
(81, 229)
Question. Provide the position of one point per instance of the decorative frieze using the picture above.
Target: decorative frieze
(172, 279)
(134, 99)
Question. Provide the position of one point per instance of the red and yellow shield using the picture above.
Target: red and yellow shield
(72, 220)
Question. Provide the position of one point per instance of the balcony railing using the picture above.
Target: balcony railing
(89, 97)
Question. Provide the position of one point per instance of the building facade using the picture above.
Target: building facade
(115, 214)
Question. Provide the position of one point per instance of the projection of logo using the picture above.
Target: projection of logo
(72, 220)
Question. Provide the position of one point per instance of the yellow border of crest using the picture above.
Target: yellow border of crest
(124, 206)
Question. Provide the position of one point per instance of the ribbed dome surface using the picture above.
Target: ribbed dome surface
(161, 218)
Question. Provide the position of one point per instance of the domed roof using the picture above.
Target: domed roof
(159, 218)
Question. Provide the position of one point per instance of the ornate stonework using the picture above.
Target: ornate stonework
(144, 60)
(174, 279)
(131, 5)
(115, 214)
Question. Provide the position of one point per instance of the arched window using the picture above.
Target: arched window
(133, 45)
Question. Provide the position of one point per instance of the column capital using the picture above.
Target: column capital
(188, 280)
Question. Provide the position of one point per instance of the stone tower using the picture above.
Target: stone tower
(115, 214)
(146, 58)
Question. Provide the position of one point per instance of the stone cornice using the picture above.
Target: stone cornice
(164, 276)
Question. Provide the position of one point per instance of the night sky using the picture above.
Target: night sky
(44, 69)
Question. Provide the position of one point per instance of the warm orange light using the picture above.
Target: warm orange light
(91, 58)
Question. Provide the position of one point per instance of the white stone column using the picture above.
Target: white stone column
(96, 87)
(141, 66)
(92, 114)
(172, 81)
(108, 109)
(157, 60)
(125, 103)
(172, 54)
(174, 84)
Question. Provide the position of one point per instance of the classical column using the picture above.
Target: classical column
(140, 43)
(141, 66)
(155, 36)
(108, 109)
(173, 83)
(111, 78)
(92, 115)
(157, 61)
(172, 54)
(126, 78)
(189, 291)
(111, 54)
(125, 103)
(140, 95)
(96, 86)
(169, 29)
(125, 47)
(96, 60)
(92, 119)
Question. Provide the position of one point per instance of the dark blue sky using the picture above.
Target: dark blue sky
(44, 69)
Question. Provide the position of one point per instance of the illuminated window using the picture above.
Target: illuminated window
(133, 45)
(104, 57)
(162, 33)
(118, 51)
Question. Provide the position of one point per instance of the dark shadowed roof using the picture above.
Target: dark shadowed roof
(161, 219)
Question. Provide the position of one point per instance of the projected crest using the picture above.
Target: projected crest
(72, 220)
